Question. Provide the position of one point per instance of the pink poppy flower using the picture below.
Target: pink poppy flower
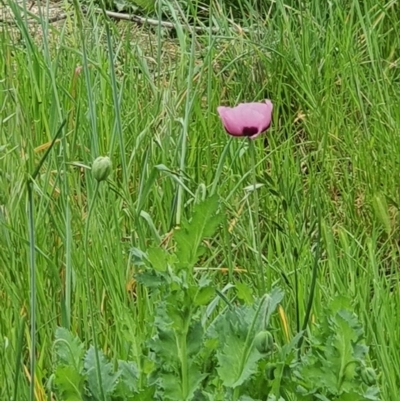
(246, 119)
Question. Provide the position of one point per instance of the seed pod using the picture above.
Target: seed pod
(101, 168)
(264, 342)
(368, 376)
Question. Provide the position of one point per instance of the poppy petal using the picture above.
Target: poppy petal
(246, 119)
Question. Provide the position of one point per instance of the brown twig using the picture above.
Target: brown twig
(137, 19)
(154, 22)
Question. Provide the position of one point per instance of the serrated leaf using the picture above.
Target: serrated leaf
(69, 383)
(150, 279)
(173, 388)
(128, 379)
(236, 329)
(69, 349)
(158, 258)
(204, 296)
(145, 394)
(235, 365)
(360, 351)
(165, 347)
(107, 375)
(203, 224)
(138, 256)
(194, 339)
(177, 314)
(339, 303)
(372, 394)
(322, 377)
(347, 332)
(204, 282)
(232, 371)
(244, 293)
(336, 349)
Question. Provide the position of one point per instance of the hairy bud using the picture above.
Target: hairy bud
(101, 168)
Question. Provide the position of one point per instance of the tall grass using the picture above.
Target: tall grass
(149, 101)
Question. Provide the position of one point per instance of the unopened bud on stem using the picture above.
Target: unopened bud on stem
(101, 168)
(264, 342)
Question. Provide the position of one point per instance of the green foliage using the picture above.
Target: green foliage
(188, 238)
(69, 349)
(331, 69)
(69, 374)
(157, 263)
(235, 331)
(104, 383)
(334, 366)
(233, 356)
(221, 360)
(76, 377)
(69, 383)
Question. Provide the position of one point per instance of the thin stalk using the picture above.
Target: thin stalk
(182, 346)
(116, 100)
(88, 289)
(31, 229)
(184, 364)
(188, 106)
(18, 355)
(68, 249)
(33, 290)
(220, 166)
(260, 276)
(296, 289)
(85, 64)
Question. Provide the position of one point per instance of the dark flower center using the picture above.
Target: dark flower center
(249, 131)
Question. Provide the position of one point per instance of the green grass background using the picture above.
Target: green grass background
(332, 72)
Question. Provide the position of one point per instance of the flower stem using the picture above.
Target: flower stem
(260, 275)
(31, 228)
(220, 167)
(88, 290)
(184, 363)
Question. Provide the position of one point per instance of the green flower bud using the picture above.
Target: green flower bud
(368, 376)
(264, 342)
(101, 168)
